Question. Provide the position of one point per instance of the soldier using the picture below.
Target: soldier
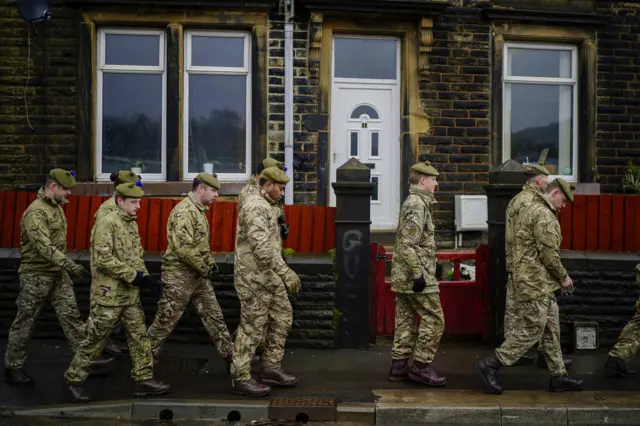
(117, 269)
(188, 269)
(413, 280)
(627, 344)
(262, 279)
(44, 275)
(537, 179)
(537, 274)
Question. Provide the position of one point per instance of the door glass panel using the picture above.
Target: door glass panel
(353, 151)
(364, 109)
(374, 144)
(374, 197)
(377, 58)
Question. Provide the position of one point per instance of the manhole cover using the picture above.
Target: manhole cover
(303, 410)
(175, 371)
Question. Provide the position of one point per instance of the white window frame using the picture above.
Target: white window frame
(364, 80)
(130, 69)
(191, 69)
(571, 81)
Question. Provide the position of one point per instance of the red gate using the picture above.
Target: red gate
(464, 302)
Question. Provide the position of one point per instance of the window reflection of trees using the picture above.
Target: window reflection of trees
(129, 139)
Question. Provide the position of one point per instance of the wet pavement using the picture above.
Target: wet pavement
(197, 372)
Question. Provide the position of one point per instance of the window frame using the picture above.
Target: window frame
(102, 67)
(572, 81)
(246, 70)
(360, 80)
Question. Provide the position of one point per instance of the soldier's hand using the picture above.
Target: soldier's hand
(138, 279)
(284, 228)
(78, 271)
(154, 285)
(419, 284)
(213, 272)
(568, 282)
(292, 282)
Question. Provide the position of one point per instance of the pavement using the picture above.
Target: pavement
(335, 385)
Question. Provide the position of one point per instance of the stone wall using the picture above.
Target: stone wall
(313, 307)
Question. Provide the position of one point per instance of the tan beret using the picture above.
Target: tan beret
(535, 169)
(566, 188)
(64, 178)
(275, 175)
(425, 169)
(129, 190)
(272, 162)
(210, 179)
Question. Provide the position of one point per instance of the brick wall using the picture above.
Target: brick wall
(618, 93)
(27, 154)
(457, 101)
(305, 102)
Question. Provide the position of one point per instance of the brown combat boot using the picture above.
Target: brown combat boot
(18, 377)
(488, 369)
(399, 370)
(150, 388)
(101, 366)
(255, 359)
(564, 383)
(76, 393)
(249, 388)
(423, 373)
(617, 367)
(277, 377)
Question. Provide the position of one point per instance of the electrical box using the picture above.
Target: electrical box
(471, 214)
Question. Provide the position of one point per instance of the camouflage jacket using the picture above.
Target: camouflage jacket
(537, 269)
(116, 255)
(415, 249)
(259, 265)
(188, 246)
(521, 200)
(43, 237)
(105, 208)
(252, 188)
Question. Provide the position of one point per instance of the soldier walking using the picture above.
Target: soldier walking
(627, 344)
(188, 268)
(118, 269)
(537, 273)
(262, 279)
(537, 180)
(413, 279)
(44, 275)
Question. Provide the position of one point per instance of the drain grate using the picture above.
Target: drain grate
(303, 409)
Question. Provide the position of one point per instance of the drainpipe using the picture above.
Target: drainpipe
(288, 97)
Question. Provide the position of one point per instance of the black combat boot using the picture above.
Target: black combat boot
(18, 377)
(564, 383)
(488, 370)
(255, 359)
(101, 365)
(150, 388)
(249, 388)
(617, 367)
(425, 374)
(76, 393)
(524, 360)
(113, 349)
(399, 370)
(277, 377)
(542, 362)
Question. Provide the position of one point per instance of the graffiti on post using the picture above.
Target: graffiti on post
(351, 243)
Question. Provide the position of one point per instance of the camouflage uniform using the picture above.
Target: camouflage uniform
(262, 278)
(415, 256)
(116, 257)
(44, 274)
(537, 273)
(186, 267)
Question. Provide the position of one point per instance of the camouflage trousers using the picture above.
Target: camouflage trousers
(179, 290)
(422, 343)
(535, 319)
(510, 312)
(100, 324)
(264, 310)
(629, 339)
(35, 291)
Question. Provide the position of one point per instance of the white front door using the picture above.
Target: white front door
(365, 120)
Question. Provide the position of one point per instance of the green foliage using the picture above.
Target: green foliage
(336, 317)
(631, 179)
(332, 253)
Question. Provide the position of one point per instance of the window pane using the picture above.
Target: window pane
(354, 144)
(541, 117)
(217, 51)
(374, 144)
(364, 109)
(376, 58)
(132, 121)
(374, 197)
(539, 63)
(217, 122)
(132, 49)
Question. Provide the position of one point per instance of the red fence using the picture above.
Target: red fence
(602, 223)
(464, 302)
(311, 228)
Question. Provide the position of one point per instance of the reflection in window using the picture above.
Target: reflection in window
(374, 144)
(354, 144)
(364, 109)
(217, 51)
(132, 49)
(540, 113)
(374, 197)
(377, 58)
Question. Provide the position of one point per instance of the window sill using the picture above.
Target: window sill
(154, 189)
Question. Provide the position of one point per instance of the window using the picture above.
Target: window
(540, 105)
(217, 104)
(375, 54)
(131, 104)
